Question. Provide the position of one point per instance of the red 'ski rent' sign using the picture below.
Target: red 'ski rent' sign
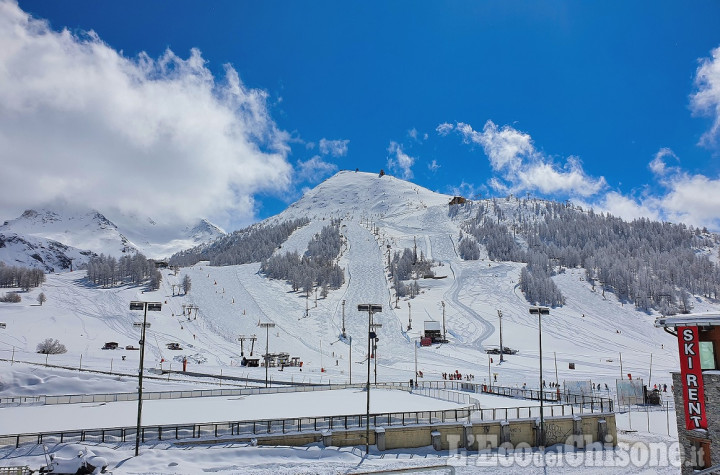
(692, 380)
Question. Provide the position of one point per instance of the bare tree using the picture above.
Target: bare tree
(186, 284)
(41, 298)
(11, 297)
(51, 347)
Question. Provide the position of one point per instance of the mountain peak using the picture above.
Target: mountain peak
(365, 193)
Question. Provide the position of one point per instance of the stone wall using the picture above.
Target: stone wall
(689, 439)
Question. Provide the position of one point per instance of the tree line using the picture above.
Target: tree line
(408, 265)
(107, 271)
(23, 278)
(316, 268)
(252, 244)
(654, 265)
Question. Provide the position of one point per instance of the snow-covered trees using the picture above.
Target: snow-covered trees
(51, 347)
(469, 249)
(107, 271)
(316, 268)
(41, 298)
(21, 277)
(651, 264)
(408, 265)
(252, 244)
(186, 284)
(155, 279)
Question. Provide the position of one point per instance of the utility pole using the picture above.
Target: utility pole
(372, 338)
(415, 342)
(409, 317)
(267, 327)
(344, 335)
(145, 306)
(540, 311)
(443, 307)
(502, 349)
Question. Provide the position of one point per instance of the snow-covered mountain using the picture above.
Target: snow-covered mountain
(92, 232)
(39, 253)
(376, 216)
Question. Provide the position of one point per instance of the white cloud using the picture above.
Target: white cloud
(626, 207)
(399, 161)
(677, 196)
(521, 167)
(691, 199)
(433, 166)
(465, 189)
(444, 129)
(80, 121)
(413, 133)
(336, 148)
(315, 169)
(706, 101)
(658, 165)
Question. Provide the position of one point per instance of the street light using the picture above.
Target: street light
(372, 337)
(417, 343)
(267, 327)
(540, 311)
(344, 335)
(144, 306)
(443, 307)
(502, 350)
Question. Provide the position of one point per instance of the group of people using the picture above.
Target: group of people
(457, 376)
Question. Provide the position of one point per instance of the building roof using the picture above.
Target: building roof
(432, 325)
(689, 320)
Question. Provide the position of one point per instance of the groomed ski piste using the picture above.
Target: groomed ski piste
(592, 331)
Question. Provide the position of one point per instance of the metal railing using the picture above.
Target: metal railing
(441, 389)
(157, 395)
(239, 428)
(593, 403)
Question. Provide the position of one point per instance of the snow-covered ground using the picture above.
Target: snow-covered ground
(601, 336)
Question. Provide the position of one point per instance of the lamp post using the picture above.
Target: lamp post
(443, 307)
(540, 311)
(144, 306)
(502, 350)
(416, 370)
(267, 326)
(372, 338)
(344, 335)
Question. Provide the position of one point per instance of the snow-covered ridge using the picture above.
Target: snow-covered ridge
(91, 231)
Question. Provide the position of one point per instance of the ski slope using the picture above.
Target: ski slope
(592, 331)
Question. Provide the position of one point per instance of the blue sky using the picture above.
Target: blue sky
(614, 105)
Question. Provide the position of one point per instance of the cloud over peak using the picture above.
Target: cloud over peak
(400, 162)
(80, 121)
(520, 166)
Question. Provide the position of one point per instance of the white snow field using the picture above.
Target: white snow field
(48, 418)
(604, 338)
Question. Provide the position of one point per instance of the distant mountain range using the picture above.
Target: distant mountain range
(53, 238)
